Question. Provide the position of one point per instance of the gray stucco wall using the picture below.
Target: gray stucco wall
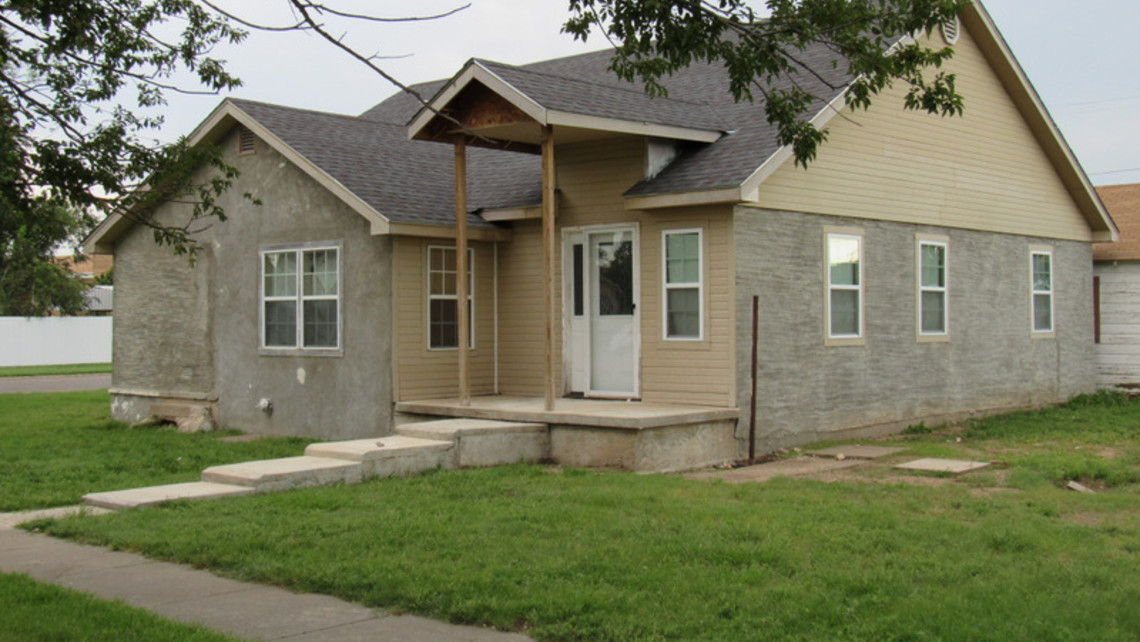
(807, 391)
(183, 329)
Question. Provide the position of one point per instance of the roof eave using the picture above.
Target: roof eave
(225, 115)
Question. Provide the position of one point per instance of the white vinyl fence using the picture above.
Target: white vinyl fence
(44, 341)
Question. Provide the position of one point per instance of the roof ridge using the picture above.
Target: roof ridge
(239, 101)
(639, 92)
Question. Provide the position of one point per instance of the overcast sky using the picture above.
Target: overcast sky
(1082, 57)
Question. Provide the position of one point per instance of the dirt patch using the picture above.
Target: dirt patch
(1084, 519)
(1107, 453)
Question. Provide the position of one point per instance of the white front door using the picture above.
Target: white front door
(601, 309)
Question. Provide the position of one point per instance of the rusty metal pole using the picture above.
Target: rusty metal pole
(752, 416)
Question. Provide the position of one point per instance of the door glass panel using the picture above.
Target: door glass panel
(579, 284)
(615, 276)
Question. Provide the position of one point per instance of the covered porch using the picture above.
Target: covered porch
(633, 435)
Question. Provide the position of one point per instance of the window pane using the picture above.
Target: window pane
(682, 258)
(444, 325)
(934, 312)
(1042, 312)
(933, 266)
(319, 275)
(280, 274)
(320, 324)
(845, 312)
(1042, 273)
(281, 323)
(843, 255)
(683, 317)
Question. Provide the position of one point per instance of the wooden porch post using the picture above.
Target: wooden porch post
(461, 270)
(548, 254)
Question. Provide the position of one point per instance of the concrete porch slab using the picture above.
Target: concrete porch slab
(486, 442)
(601, 413)
(856, 451)
(283, 474)
(954, 466)
(136, 497)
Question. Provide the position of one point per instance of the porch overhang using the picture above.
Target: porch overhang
(479, 105)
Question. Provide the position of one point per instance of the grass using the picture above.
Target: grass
(586, 555)
(37, 611)
(68, 369)
(59, 446)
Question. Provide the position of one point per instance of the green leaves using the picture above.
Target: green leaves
(765, 58)
(79, 81)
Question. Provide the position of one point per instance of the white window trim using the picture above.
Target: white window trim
(1043, 250)
(450, 297)
(830, 339)
(666, 286)
(944, 242)
(298, 347)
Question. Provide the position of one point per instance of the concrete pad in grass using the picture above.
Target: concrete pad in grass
(953, 466)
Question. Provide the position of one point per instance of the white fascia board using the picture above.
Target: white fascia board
(512, 213)
(475, 72)
(641, 128)
(684, 199)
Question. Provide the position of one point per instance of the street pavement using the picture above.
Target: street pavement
(55, 383)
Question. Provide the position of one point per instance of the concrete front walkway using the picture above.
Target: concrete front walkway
(245, 610)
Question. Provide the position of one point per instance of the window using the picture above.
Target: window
(844, 286)
(300, 293)
(1041, 278)
(443, 315)
(683, 284)
(932, 287)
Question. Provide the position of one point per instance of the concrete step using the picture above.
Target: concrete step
(484, 442)
(283, 474)
(392, 456)
(135, 497)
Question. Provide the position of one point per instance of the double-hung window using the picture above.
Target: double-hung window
(1041, 286)
(300, 298)
(443, 313)
(844, 287)
(683, 284)
(933, 297)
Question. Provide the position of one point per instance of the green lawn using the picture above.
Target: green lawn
(59, 446)
(34, 611)
(586, 555)
(69, 369)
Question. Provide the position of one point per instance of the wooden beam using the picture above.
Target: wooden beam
(461, 270)
(548, 255)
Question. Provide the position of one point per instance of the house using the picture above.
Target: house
(609, 248)
(1116, 287)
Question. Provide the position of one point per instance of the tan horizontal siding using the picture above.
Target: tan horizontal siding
(423, 373)
(982, 171)
(521, 336)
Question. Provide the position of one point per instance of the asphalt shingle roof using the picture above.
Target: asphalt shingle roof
(406, 181)
(1123, 204)
(412, 181)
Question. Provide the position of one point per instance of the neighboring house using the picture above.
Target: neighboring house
(101, 300)
(923, 268)
(1116, 286)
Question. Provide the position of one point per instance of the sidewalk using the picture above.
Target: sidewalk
(245, 610)
(55, 383)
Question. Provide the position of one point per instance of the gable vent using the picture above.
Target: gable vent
(951, 30)
(247, 142)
